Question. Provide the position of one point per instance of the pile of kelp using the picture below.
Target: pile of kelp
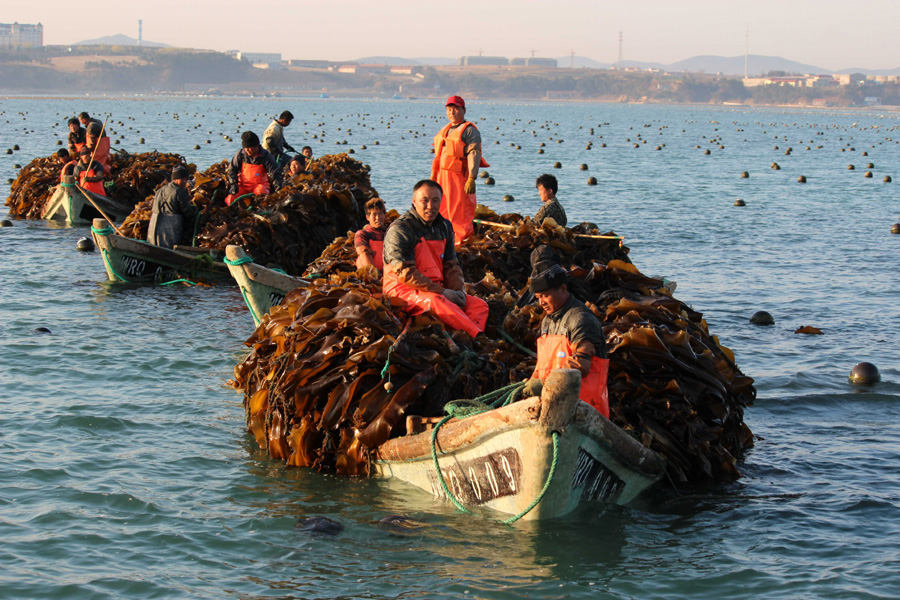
(131, 179)
(333, 370)
(288, 228)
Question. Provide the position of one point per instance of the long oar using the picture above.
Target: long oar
(95, 205)
(578, 235)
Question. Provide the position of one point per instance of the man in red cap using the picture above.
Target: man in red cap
(457, 158)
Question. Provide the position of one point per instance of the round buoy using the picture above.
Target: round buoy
(851, 168)
(85, 245)
(540, 150)
(865, 153)
(489, 181)
(59, 142)
(887, 179)
(864, 373)
(592, 181)
(508, 198)
(6, 223)
(706, 151)
(761, 317)
(659, 147)
(17, 166)
(351, 151)
(870, 165)
(801, 179)
(868, 174)
(744, 174)
(9, 150)
(895, 228)
(776, 166)
(16, 147)
(376, 143)
(363, 147)
(603, 145)
(583, 167)
(484, 174)
(41, 330)
(740, 202)
(140, 140)
(388, 386)
(196, 147)
(557, 165)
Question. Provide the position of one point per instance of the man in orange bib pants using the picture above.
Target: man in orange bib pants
(421, 269)
(571, 337)
(457, 158)
(251, 170)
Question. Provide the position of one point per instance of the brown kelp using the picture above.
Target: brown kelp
(334, 369)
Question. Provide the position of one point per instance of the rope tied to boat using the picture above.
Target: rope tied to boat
(104, 231)
(238, 262)
(461, 409)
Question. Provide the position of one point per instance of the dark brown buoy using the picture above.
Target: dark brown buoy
(761, 317)
(864, 373)
(592, 181)
(895, 228)
(801, 179)
(868, 175)
(85, 244)
(850, 167)
(744, 174)
(887, 179)
(583, 167)
(489, 181)
(740, 202)
(557, 165)
(6, 223)
(508, 198)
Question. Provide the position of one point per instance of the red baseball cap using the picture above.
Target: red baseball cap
(456, 101)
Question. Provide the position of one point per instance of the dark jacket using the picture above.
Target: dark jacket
(263, 158)
(76, 137)
(399, 250)
(576, 321)
(552, 208)
(170, 205)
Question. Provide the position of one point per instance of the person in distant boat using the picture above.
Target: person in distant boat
(457, 158)
(89, 173)
(369, 241)
(547, 186)
(68, 163)
(421, 268)
(85, 119)
(93, 139)
(307, 152)
(171, 204)
(76, 136)
(252, 170)
(571, 337)
(273, 139)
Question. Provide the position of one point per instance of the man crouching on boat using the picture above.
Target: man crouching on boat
(420, 265)
(571, 337)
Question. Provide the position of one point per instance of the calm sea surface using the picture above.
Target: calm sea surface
(126, 472)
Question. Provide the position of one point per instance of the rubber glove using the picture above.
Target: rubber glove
(457, 298)
(532, 388)
(470, 185)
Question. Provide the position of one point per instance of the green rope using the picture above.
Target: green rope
(509, 339)
(115, 273)
(179, 281)
(241, 261)
(104, 231)
(277, 270)
(67, 185)
(247, 302)
(109, 264)
(540, 496)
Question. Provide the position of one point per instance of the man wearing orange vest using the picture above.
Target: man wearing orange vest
(369, 241)
(457, 158)
(421, 268)
(89, 173)
(65, 159)
(94, 139)
(571, 337)
(251, 170)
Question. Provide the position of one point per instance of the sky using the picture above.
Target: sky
(830, 34)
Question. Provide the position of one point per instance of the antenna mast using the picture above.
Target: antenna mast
(620, 49)
(747, 55)
(140, 31)
(572, 59)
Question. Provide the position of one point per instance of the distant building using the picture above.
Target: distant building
(872, 101)
(311, 64)
(406, 70)
(849, 78)
(262, 60)
(24, 35)
(480, 61)
(541, 62)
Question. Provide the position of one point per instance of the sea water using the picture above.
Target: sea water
(126, 470)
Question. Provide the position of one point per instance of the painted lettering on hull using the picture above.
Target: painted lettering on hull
(596, 481)
(481, 479)
(275, 298)
(134, 267)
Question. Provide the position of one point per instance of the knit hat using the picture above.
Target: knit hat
(249, 139)
(180, 172)
(547, 275)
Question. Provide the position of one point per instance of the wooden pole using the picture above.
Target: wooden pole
(94, 204)
(578, 235)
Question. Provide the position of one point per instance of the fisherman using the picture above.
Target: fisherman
(297, 166)
(307, 152)
(273, 139)
(369, 241)
(76, 136)
(571, 337)
(85, 119)
(421, 268)
(171, 205)
(252, 170)
(89, 173)
(93, 139)
(68, 163)
(457, 158)
(547, 186)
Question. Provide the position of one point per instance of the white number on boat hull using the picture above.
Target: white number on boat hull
(597, 482)
(275, 298)
(134, 266)
(482, 479)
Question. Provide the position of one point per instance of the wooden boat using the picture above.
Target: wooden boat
(262, 288)
(502, 459)
(69, 204)
(137, 261)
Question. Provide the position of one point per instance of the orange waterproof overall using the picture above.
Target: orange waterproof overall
(91, 186)
(451, 170)
(102, 153)
(430, 262)
(552, 352)
(377, 247)
(253, 179)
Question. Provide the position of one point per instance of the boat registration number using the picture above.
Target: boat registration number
(596, 481)
(275, 298)
(481, 479)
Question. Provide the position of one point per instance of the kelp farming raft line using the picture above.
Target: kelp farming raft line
(334, 370)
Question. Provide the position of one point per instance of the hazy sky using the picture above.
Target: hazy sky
(826, 33)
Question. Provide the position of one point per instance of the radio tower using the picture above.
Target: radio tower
(747, 55)
(572, 59)
(140, 31)
(619, 63)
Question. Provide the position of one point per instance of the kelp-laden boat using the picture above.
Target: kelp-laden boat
(136, 261)
(262, 288)
(539, 458)
(72, 204)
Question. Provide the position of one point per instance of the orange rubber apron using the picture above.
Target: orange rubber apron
(91, 186)
(430, 262)
(451, 170)
(377, 247)
(102, 153)
(552, 353)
